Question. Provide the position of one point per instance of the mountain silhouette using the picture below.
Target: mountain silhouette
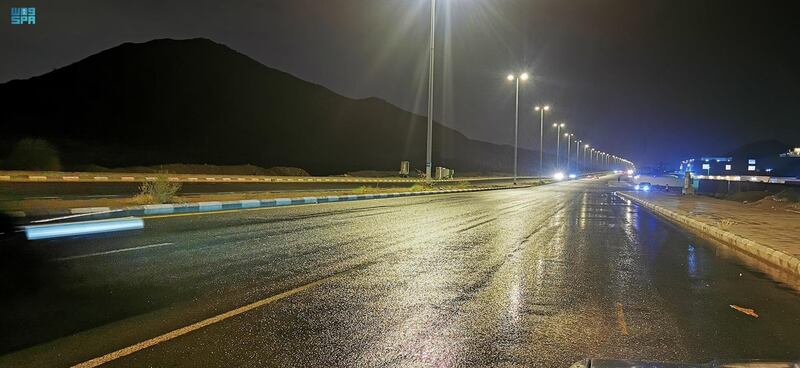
(196, 101)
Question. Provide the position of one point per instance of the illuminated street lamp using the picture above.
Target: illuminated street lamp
(541, 110)
(578, 155)
(558, 139)
(512, 77)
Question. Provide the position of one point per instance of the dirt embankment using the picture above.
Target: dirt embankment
(205, 169)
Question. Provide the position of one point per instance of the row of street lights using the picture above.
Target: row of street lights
(609, 161)
(604, 160)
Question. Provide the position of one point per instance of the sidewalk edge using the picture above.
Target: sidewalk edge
(785, 262)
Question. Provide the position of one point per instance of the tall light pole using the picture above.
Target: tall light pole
(512, 77)
(541, 110)
(569, 144)
(600, 160)
(591, 157)
(558, 140)
(578, 155)
(429, 145)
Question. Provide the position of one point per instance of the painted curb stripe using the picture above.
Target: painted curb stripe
(210, 206)
(158, 209)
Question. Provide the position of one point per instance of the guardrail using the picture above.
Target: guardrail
(50, 177)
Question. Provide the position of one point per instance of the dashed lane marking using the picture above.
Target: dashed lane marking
(623, 327)
(198, 325)
(111, 252)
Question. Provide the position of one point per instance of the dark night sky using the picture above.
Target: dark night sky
(649, 80)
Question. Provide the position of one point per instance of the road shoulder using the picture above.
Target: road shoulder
(769, 237)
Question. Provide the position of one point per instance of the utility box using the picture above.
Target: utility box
(443, 173)
(405, 166)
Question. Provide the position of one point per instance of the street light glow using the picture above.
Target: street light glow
(524, 76)
(546, 107)
(510, 77)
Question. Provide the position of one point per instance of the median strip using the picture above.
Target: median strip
(95, 213)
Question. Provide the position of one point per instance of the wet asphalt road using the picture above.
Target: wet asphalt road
(541, 276)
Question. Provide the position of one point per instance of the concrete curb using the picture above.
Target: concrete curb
(94, 213)
(785, 262)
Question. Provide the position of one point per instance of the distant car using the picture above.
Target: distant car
(643, 186)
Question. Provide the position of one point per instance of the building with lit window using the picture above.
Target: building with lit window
(770, 168)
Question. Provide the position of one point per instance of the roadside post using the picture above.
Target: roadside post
(687, 184)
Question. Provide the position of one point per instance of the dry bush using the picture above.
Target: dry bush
(159, 191)
(726, 223)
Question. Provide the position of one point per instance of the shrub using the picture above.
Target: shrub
(420, 187)
(159, 191)
(33, 154)
(367, 189)
(726, 223)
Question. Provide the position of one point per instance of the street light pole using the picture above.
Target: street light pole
(558, 141)
(578, 155)
(585, 162)
(541, 136)
(516, 128)
(569, 144)
(524, 77)
(428, 154)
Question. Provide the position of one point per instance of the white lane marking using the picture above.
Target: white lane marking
(196, 326)
(623, 327)
(110, 252)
